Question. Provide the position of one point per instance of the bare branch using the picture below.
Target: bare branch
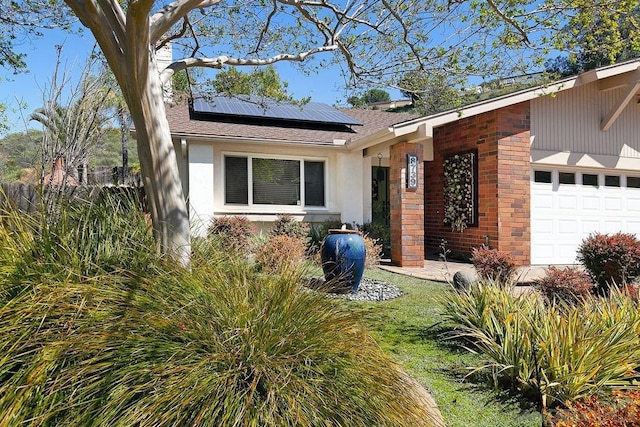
(185, 25)
(265, 28)
(164, 19)
(509, 21)
(405, 30)
(223, 60)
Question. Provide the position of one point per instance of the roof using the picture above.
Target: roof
(450, 116)
(252, 108)
(183, 124)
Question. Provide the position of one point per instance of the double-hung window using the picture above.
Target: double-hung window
(253, 180)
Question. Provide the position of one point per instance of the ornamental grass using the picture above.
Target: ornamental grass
(119, 337)
(559, 351)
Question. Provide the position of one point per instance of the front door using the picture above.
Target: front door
(380, 207)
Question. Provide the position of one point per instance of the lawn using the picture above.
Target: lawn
(409, 329)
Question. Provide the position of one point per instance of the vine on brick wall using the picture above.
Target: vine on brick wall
(459, 191)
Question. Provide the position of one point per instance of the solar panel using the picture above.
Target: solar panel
(311, 112)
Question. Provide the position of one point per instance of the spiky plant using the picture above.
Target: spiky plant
(562, 351)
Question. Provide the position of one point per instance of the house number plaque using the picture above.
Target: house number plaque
(412, 171)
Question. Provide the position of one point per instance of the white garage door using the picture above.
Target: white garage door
(568, 205)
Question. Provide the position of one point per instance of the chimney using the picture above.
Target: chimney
(164, 58)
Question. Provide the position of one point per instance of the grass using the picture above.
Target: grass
(409, 329)
(93, 336)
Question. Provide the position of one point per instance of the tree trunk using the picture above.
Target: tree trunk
(159, 165)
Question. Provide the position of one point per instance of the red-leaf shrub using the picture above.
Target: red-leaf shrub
(568, 284)
(232, 231)
(493, 265)
(611, 259)
(623, 410)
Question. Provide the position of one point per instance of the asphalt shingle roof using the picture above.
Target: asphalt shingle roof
(182, 124)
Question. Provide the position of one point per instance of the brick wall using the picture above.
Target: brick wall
(407, 215)
(501, 139)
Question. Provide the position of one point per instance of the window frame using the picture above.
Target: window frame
(274, 207)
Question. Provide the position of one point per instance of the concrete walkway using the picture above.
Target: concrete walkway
(441, 271)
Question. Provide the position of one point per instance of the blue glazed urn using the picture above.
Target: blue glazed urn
(343, 256)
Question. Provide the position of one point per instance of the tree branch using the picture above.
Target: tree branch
(115, 16)
(265, 28)
(92, 16)
(223, 60)
(164, 19)
(509, 21)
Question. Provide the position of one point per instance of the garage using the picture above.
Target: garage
(567, 205)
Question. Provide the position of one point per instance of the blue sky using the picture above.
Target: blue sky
(27, 88)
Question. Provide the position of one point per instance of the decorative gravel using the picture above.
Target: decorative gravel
(369, 290)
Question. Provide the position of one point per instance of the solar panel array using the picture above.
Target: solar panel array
(312, 112)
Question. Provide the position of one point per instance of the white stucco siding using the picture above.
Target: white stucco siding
(570, 122)
(207, 181)
(201, 189)
(350, 185)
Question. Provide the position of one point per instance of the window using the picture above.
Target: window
(236, 179)
(590, 179)
(276, 182)
(567, 178)
(612, 180)
(273, 181)
(313, 183)
(633, 182)
(542, 176)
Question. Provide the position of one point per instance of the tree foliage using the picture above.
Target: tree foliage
(374, 41)
(258, 82)
(431, 93)
(369, 97)
(600, 40)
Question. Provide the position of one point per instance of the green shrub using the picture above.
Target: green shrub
(381, 233)
(318, 232)
(85, 238)
(232, 232)
(287, 225)
(568, 284)
(621, 409)
(492, 321)
(280, 254)
(493, 265)
(610, 259)
(218, 344)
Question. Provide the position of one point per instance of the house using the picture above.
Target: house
(531, 173)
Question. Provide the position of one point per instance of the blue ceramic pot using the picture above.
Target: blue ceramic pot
(343, 255)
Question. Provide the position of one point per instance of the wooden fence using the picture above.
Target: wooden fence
(28, 197)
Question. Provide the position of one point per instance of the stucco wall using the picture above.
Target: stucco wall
(343, 183)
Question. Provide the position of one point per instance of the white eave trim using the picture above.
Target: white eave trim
(216, 138)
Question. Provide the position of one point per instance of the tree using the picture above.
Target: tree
(260, 83)
(601, 40)
(431, 93)
(373, 39)
(70, 131)
(369, 97)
